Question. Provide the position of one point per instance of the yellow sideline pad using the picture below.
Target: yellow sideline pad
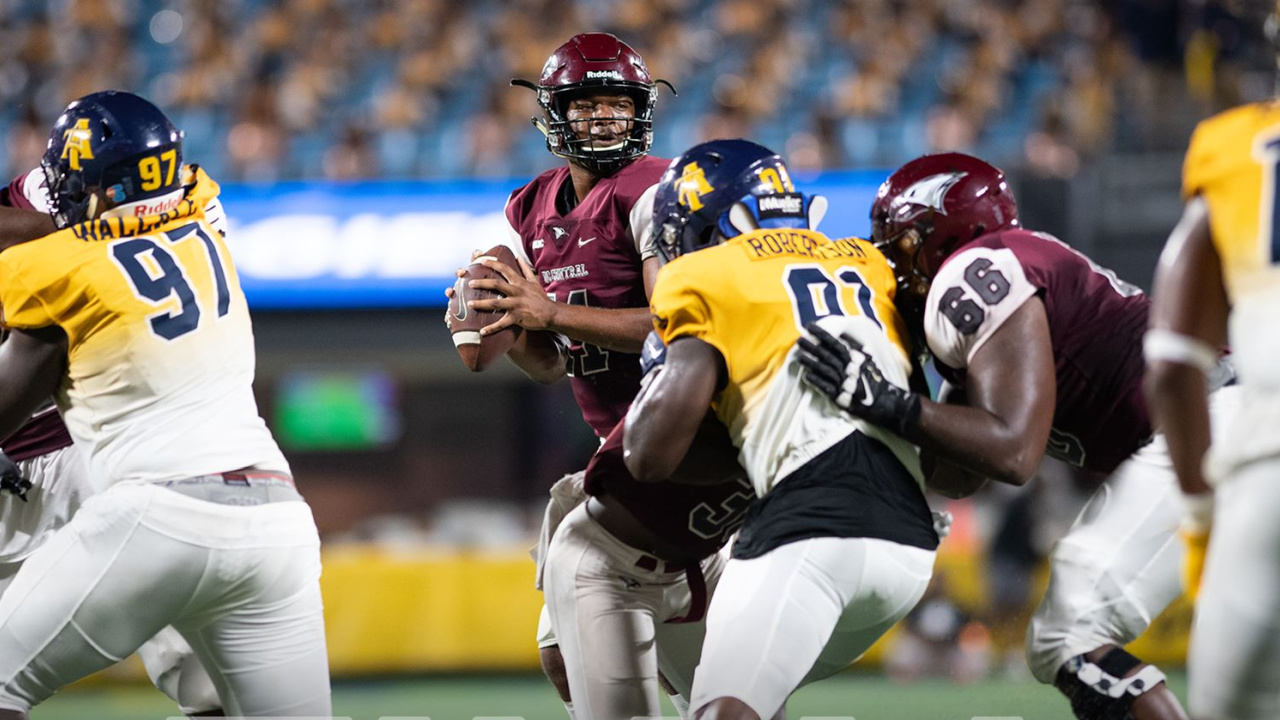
(402, 610)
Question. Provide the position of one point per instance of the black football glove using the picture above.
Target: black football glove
(11, 479)
(843, 371)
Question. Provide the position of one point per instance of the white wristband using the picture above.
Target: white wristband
(1169, 346)
(1199, 512)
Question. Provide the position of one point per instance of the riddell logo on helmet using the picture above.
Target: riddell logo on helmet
(161, 205)
(604, 75)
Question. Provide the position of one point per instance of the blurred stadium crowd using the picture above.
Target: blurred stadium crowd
(270, 90)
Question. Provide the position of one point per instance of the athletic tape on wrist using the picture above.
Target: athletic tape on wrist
(1169, 346)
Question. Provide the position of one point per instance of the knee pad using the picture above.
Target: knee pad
(1100, 691)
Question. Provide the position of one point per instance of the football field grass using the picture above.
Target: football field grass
(864, 696)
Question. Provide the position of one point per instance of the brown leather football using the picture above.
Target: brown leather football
(478, 353)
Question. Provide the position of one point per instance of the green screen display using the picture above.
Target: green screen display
(336, 410)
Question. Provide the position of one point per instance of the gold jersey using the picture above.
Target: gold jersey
(1232, 163)
(749, 298)
(160, 348)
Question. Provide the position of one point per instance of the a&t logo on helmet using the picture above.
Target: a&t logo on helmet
(693, 185)
(720, 189)
(77, 144)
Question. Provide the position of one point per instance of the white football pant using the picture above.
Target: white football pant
(241, 583)
(1119, 566)
(169, 660)
(613, 607)
(1234, 662)
(802, 612)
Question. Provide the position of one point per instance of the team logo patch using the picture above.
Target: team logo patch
(693, 185)
(930, 192)
(76, 145)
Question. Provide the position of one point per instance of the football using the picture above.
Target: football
(478, 353)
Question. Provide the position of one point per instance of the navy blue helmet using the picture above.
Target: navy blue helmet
(721, 189)
(108, 149)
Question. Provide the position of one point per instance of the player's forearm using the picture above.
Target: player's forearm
(1177, 396)
(19, 226)
(978, 441)
(623, 330)
(538, 355)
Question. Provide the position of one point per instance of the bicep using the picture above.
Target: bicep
(666, 414)
(682, 392)
(1012, 374)
(1189, 296)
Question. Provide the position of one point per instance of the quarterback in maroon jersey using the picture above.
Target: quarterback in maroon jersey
(581, 293)
(1046, 350)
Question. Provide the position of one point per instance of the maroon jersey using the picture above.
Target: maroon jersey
(1096, 323)
(697, 519)
(45, 431)
(591, 256)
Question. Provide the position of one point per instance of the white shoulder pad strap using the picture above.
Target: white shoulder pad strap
(974, 293)
(641, 221)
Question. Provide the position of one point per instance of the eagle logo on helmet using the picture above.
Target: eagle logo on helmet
(76, 143)
(930, 193)
(693, 185)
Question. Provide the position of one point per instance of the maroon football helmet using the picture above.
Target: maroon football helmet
(934, 205)
(595, 63)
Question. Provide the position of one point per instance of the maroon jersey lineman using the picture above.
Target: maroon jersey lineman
(45, 431)
(697, 519)
(1096, 323)
(592, 255)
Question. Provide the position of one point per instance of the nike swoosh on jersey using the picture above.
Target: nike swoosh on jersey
(582, 242)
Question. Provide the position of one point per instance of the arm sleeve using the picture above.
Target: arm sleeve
(641, 224)
(976, 291)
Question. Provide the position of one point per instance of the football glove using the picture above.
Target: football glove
(11, 479)
(840, 369)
